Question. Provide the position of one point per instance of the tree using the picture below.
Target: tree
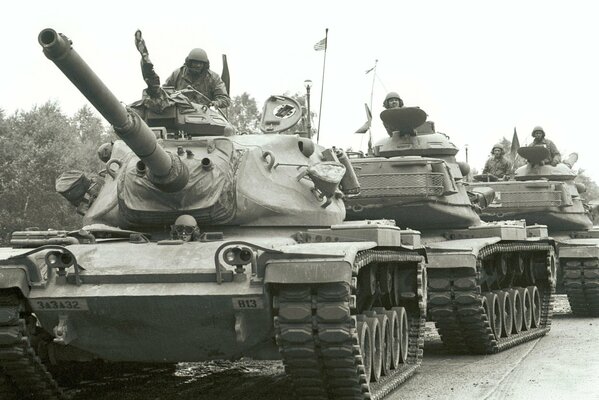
(243, 114)
(592, 189)
(39, 145)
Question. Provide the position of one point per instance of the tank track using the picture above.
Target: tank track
(581, 284)
(317, 336)
(456, 307)
(23, 375)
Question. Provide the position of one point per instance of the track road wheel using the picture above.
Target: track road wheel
(394, 338)
(535, 299)
(365, 348)
(377, 348)
(404, 329)
(507, 312)
(387, 337)
(518, 310)
(494, 314)
(526, 308)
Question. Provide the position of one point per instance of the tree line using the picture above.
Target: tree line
(37, 146)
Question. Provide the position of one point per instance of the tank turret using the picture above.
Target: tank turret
(414, 176)
(535, 167)
(197, 166)
(165, 170)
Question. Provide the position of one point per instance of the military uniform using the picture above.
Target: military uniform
(498, 167)
(208, 83)
(554, 154)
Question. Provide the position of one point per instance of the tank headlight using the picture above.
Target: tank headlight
(231, 255)
(238, 256)
(52, 259)
(245, 255)
(57, 259)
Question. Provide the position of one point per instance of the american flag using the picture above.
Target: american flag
(321, 45)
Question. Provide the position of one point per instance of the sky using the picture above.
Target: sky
(478, 68)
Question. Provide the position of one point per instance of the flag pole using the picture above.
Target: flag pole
(324, 63)
(371, 96)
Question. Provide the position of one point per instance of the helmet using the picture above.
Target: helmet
(105, 152)
(498, 146)
(537, 128)
(197, 54)
(185, 228)
(392, 95)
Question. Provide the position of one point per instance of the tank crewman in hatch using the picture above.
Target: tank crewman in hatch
(197, 74)
(498, 165)
(185, 228)
(539, 140)
(392, 100)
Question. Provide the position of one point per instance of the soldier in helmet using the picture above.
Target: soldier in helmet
(197, 74)
(392, 100)
(497, 164)
(539, 140)
(185, 228)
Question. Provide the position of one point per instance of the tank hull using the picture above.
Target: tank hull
(167, 301)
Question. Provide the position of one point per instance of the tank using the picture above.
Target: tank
(200, 244)
(548, 195)
(490, 284)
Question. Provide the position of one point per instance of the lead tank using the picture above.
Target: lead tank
(199, 244)
(490, 285)
(546, 194)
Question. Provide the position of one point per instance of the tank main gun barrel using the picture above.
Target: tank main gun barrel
(165, 170)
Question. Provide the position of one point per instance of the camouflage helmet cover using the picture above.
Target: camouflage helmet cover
(391, 95)
(537, 128)
(197, 54)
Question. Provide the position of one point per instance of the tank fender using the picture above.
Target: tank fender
(315, 263)
(14, 278)
(308, 271)
(579, 251)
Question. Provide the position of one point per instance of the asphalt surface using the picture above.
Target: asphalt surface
(562, 365)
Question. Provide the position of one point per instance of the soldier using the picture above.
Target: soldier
(197, 74)
(392, 100)
(498, 165)
(554, 156)
(185, 228)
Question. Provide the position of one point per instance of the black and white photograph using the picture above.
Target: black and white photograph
(265, 200)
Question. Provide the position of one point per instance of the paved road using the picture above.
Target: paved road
(562, 365)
